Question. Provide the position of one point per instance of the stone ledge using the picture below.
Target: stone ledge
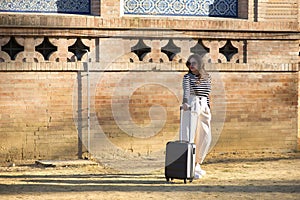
(18, 20)
(141, 66)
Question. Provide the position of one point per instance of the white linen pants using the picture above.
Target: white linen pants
(203, 134)
(199, 127)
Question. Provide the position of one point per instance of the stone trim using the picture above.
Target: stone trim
(37, 21)
(142, 66)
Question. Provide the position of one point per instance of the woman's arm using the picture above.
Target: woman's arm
(186, 88)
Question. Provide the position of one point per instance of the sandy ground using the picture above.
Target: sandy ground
(256, 176)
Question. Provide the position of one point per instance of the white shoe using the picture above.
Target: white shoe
(199, 171)
(197, 176)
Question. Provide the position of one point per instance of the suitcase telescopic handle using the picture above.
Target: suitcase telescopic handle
(181, 116)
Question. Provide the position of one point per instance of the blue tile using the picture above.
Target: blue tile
(218, 8)
(46, 6)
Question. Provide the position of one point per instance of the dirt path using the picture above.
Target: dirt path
(260, 177)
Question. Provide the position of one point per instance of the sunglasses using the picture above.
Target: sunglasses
(188, 63)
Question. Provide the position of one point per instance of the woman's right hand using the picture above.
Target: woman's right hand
(185, 106)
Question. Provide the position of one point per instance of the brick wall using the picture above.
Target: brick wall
(36, 115)
(276, 51)
(271, 10)
(110, 8)
(261, 111)
(143, 130)
(38, 111)
(40, 99)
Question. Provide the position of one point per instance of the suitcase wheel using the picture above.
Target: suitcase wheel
(184, 180)
(168, 179)
(191, 180)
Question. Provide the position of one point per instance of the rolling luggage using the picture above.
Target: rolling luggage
(180, 155)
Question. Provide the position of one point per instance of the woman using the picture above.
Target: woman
(197, 85)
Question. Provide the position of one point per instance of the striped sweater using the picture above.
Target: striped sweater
(191, 86)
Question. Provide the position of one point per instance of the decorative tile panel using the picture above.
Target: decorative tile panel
(46, 6)
(216, 8)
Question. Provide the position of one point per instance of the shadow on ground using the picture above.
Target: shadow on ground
(137, 182)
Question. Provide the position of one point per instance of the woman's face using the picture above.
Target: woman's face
(194, 66)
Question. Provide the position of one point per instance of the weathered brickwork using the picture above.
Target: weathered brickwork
(43, 96)
(279, 10)
(36, 115)
(260, 105)
(276, 51)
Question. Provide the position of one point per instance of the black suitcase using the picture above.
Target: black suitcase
(180, 157)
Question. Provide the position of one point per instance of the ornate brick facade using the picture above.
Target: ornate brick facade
(135, 68)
